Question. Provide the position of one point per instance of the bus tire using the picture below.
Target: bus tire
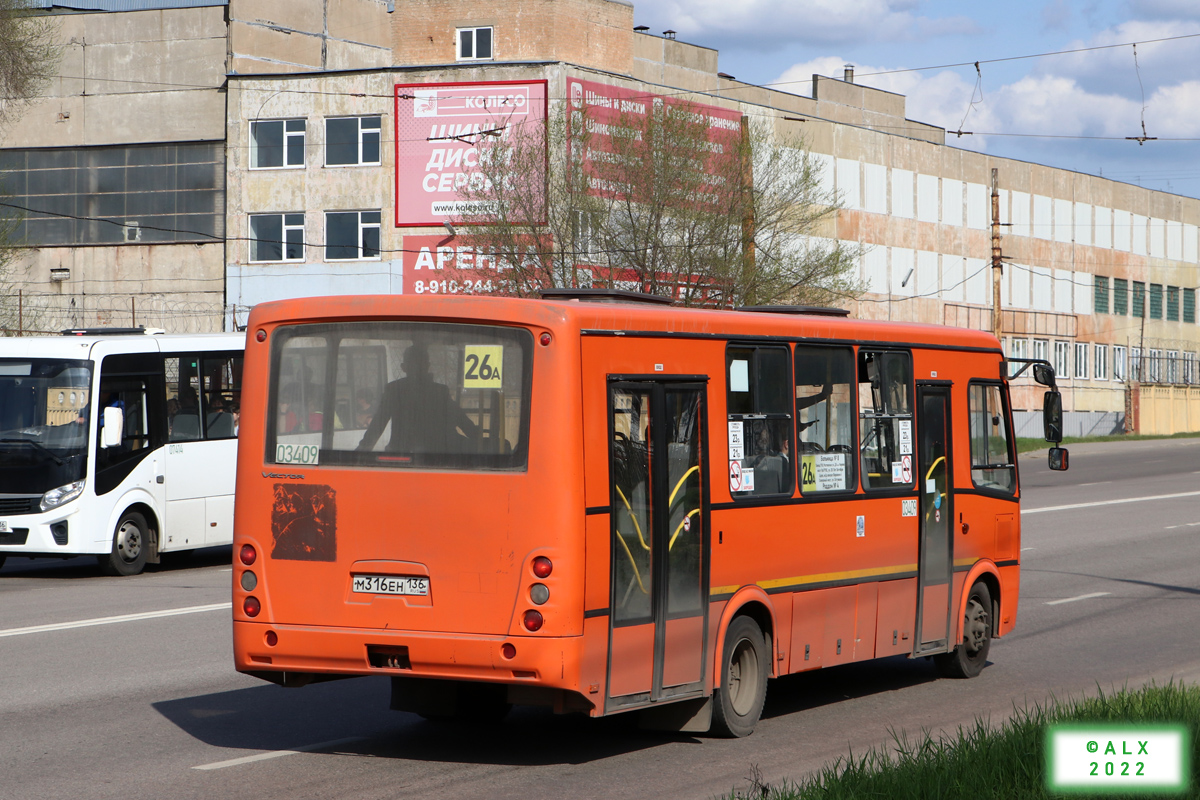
(745, 667)
(131, 542)
(967, 659)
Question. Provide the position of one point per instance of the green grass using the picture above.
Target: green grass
(1029, 445)
(1004, 762)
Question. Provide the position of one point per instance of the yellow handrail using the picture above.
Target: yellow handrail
(675, 491)
(632, 562)
(633, 517)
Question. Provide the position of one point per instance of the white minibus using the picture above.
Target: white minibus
(120, 443)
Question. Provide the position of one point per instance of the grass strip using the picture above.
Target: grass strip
(982, 761)
(1027, 445)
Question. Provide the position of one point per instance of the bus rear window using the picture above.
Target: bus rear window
(400, 395)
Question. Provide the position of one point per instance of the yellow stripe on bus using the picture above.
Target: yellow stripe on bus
(822, 577)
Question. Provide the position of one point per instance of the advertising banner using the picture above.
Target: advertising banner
(445, 265)
(613, 112)
(437, 129)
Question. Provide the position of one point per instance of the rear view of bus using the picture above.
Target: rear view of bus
(383, 462)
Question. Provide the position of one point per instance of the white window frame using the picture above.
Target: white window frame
(472, 34)
(1171, 367)
(285, 227)
(1100, 371)
(1062, 359)
(1118, 362)
(363, 225)
(1189, 367)
(1041, 349)
(299, 131)
(1154, 366)
(363, 133)
(1018, 348)
(1081, 360)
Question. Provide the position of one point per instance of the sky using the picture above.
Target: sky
(1071, 111)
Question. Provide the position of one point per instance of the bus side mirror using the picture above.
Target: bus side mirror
(114, 425)
(1043, 375)
(1058, 459)
(1052, 416)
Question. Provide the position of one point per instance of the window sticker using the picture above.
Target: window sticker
(306, 454)
(747, 480)
(736, 443)
(897, 472)
(735, 476)
(906, 437)
(931, 486)
(906, 469)
(823, 472)
(739, 376)
(482, 364)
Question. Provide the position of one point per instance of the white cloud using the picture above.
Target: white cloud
(774, 23)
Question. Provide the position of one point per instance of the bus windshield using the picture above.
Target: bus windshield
(43, 423)
(400, 394)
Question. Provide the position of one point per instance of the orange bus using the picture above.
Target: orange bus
(601, 503)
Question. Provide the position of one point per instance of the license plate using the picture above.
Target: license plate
(390, 584)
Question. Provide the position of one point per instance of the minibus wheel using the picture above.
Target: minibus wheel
(967, 659)
(738, 702)
(129, 547)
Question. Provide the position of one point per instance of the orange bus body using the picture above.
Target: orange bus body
(828, 580)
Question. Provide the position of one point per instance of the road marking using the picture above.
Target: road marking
(1023, 549)
(308, 748)
(87, 623)
(1107, 502)
(1081, 597)
(1095, 483)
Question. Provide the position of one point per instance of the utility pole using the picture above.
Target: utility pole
(997, 259)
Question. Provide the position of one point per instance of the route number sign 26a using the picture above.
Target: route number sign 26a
(482, 364)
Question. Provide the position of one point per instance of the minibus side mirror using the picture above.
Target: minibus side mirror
(1043, 375)
(1052, 416)
(114, 425)
(1058, 459)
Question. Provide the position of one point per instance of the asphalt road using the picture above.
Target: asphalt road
(149, 706)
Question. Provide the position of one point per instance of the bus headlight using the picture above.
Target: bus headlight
(63, 494)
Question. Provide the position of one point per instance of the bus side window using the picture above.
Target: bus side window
(222, 375)
(992, 464)
(885, 419)
(760, 413)
(183, 397)
(825, 418)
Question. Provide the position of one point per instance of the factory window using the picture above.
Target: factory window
(277, 143)
(475, 44)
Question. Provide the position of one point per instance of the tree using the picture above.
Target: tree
(661, 196)
(29, 59)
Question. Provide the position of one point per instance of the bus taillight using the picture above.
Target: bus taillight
(539, 593)
(533, 619)
(542, 567)
(251, 606)
(508, 651)
(247, 554)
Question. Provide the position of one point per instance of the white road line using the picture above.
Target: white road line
(1073, 599)
(1095, 483)
(1023, 549)
(1107, 502)
(87, 623)
(235, 762)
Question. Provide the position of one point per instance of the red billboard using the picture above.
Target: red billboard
(438, 126)
(611, 112)
(445, 265)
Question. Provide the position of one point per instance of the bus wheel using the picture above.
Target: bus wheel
(967, 660)
(744, 665)
(130, 542)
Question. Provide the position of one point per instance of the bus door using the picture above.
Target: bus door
(936, 548)
(660, 543)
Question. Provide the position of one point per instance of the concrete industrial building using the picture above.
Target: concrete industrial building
(207, 130)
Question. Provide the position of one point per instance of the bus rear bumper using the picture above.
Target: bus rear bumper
(345, 652)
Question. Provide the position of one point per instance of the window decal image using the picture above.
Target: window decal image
(304, 522)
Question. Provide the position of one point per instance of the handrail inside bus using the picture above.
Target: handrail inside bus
(675, 491)
(633, 517)
(679, 528)
(632, 563)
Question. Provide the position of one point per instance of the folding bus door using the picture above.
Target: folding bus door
(659, 541)
(936, 551)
